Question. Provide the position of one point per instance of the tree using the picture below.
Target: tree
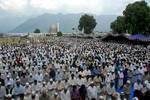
(148, 26)
(59, 34)
(87, 23)
(37, 31)
(118, 26)
(136, 19)
(136, 15)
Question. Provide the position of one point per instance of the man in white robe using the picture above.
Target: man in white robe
(65, 94)
(92, 92)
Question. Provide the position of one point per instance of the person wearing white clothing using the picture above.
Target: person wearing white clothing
(121, 76)
(18, 91)
(108, 78)
(65, 94)
(10, 81)
(72, 80)
(39, 77)
(50, 85)
(2, 92)
(138, 86)
(92, 92)
(44, 87)
(27, 89)
(36, 86)
(80, 80)
(33, 96)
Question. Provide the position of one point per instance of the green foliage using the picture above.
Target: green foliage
(87, 23)
(37, 31)
(118, 25)
(135, 19)
(59, 34)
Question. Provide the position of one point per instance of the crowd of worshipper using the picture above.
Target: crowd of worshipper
(74, 69)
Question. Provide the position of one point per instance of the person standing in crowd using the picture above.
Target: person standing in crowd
(110, 91)
(36, 86)
(65, 94)
(44, 96)
(18, 91)
(10, 81)
(92, 91)
(9, 89)
(125, 74)
(75, 93)
(33, 96)
(2, 80)
(54, 97)
(126, 89)
(83, 92)
(2, 92)
(137, 89)
(121, 77)
(28, 90)
(52, 73)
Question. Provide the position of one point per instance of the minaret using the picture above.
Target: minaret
(57, 27)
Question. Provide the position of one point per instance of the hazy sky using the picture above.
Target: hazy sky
(29, 7)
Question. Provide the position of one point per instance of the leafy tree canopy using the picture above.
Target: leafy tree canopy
(59, 34)
(87, 23)
(37, 31)
(135, 19)
(118, 25)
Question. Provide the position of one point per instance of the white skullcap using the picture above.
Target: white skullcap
(112, 71)
(9, 95)
(148, 85)
(64, 70)
(91, 82)
(27, 84)
(56, 93)
(17, 77)
(27, 68)
(51, 80)
(146, 82)
(44, 82)
(135, 98)
(128, 82)
(108, 73)
(19, 69)
(101, 97)
(33, 92)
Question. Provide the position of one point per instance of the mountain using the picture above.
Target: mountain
(66, 21)
(9, 21)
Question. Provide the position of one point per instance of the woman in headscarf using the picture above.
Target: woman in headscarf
(83, 92)
(75, 95)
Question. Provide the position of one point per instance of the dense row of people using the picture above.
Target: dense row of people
(70, 69)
